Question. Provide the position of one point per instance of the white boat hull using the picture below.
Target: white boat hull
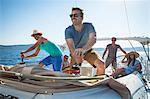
(127, 87)
(101, 92)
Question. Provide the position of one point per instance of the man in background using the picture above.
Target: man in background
(112, 51)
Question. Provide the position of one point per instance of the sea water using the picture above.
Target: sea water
(10, 55)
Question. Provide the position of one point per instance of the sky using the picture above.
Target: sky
(18, 18)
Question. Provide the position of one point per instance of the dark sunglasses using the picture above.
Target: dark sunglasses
(113, 40)
(65, 57)
(75, 15)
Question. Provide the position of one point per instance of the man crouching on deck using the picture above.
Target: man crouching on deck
(55, 54)
(80, 38)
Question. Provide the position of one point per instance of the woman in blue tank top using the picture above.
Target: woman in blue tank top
(132, 65)
(55, 54)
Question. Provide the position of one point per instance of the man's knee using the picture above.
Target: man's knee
(99, 64)
(41, 64)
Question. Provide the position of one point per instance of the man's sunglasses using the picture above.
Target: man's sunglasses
(113, 39)
(75, 15)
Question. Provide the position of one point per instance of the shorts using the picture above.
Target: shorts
(90, 57)
(130, 69)
(56, 61)
(110, 61)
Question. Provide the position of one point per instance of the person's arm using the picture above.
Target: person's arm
(123, 60)
(39, 41)
(139, 67)
(90, 42)
(104, 52)
(33, 46)
(122, 50)
(75, 53)
(70, 44)
(79, 52)
(32, 55)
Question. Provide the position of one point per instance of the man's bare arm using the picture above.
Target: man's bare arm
(90, 42)
(70, 44)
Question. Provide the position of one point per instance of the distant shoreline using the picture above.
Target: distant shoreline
(126, 48)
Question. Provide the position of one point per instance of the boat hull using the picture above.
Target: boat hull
(100, 92)
(127, 87)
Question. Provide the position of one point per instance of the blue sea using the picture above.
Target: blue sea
(10, 55)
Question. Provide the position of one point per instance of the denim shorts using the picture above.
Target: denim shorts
(130, 69)
(56, 61)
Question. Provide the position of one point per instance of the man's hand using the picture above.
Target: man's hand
(22, 55)
(79, 52)
(78, 55)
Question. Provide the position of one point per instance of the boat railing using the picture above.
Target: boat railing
(146, 69)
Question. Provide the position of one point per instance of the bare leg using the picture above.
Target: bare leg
(118, 72)
(108, 62)
(6, 68)
(1, 68)
(114, 64)
(100, 67)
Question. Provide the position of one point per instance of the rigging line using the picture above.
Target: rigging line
(129, 29)
(34, 96)
(147, 53)
(75, 3)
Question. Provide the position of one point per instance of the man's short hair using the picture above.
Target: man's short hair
(114, 38)
(76, 8)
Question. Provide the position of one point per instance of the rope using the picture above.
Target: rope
(34, 96)
(129, 29)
